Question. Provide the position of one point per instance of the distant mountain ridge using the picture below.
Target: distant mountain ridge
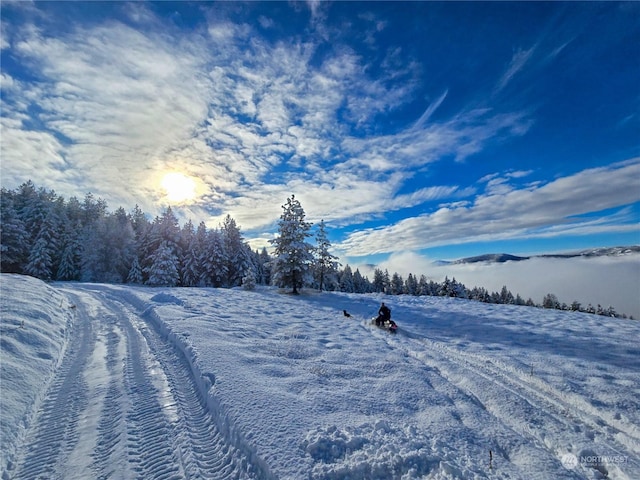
(505, 257)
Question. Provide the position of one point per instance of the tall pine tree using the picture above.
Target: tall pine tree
(293, 255)
(326, 264)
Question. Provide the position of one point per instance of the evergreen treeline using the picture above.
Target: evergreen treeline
(354, 282)
(48, 237)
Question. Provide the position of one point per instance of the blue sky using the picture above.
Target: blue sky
(416, 130)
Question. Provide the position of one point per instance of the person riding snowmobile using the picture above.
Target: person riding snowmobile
(384, 315)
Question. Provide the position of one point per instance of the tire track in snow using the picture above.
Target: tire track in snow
(534, 403)
(54, 432)
(530, 387)
(111, 427)
(197, 449)
(124, 404)
(150, 446)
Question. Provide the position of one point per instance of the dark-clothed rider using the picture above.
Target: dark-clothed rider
(384, 314)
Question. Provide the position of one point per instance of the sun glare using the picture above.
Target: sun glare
(178, 187)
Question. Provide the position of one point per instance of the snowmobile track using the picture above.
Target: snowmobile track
(54, 433)
(196, 444)
(124, 404)
(531, 397)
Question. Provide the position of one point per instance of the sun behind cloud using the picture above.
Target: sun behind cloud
(179, 188)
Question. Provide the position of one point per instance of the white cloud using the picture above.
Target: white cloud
(254, 121)
(553, 209)
(518, 61)
(118, 98)
(424, 118)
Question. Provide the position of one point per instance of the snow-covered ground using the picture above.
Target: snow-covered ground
(110, 381)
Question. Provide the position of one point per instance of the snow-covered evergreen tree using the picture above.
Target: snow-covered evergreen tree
(135, 272)
(164, 267)
(214, 264)
(360, 284)
(93, 209)
(237, 253)
(187, 245)
(69, 268)
(108, 249)
(551, 301)
(411, 285)
(423, 286)
(13, 236)
(397, 284)
(346, 280)
(40, 263)
(31, 205)
(164, 229)
(380, 283)
(452, 288)
(70, 226)
(191, 271)
(293, 255)
(326, 264)
(264, 268)
(506, 297)
(249, 280)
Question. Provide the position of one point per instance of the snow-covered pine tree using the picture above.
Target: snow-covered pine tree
(68, 268)
(135, 272)
(108, 249)
(411, 285)
(458, 289)
(93, 209)
(31, 205)
(346, 280)
(326, 264)
(13, 236)
(249, 280)
(360, 284)
(197, 263)
(506, 297)
(40, 263)
(214, 267)
(263, 270)
(380, 283)
(190, 264)
(397, 284)
(164, 228)
(293, 256)
(551, 301)
(187, 245)
(70, 226)
(164, 267)
(236, 252)
(423, 286)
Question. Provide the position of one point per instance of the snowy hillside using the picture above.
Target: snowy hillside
(213, 383)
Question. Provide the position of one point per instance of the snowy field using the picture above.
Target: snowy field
(109, 381)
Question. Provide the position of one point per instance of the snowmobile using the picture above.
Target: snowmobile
(388, 325)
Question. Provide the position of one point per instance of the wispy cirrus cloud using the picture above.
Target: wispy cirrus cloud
(518, 61)
(559, 207)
